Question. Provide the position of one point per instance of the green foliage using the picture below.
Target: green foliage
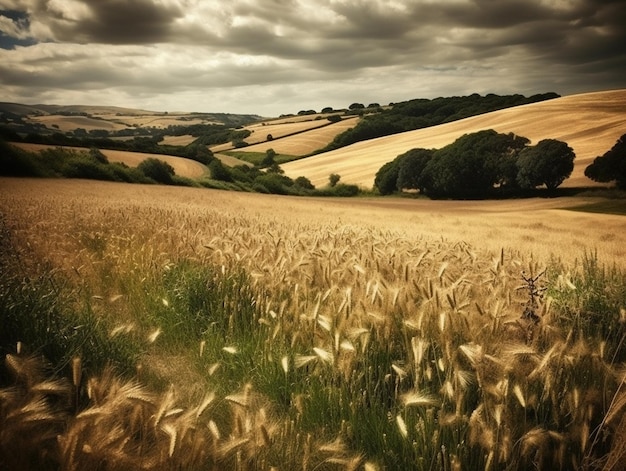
(611, 166)
(470, 166)
(274, 183)
(478, 165)
(157, 170)
(333, 179)
(42, 311)
(387, 177)
(334, 118)
(404, 172)
(548, 163)
(411, 169)
(268, 160)
(219, 171)
(303, 183)
(15, 162)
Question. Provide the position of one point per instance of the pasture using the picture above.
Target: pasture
(264, 332)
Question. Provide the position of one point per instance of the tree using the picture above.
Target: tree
(356, 106)
(157, 170)
(548, 163)
(411, 169)
(333, 179)
(472, 165)
(387, 177)
(219, 171)
(304, 183)
(611, 166)
(327, 109)
(268, 160)
(334, 118)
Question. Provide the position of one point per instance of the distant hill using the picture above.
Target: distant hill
(590, 123)
(42, 118)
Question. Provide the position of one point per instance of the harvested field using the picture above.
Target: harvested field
(306, 142)
(183, 167)
(178, 140)
(279, 129)
(590, 123)
(70, 123)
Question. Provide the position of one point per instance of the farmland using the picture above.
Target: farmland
(267, 332)
(590, 123)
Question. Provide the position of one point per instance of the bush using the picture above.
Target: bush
(157, 170)
(219, 171)
(611, 166)
(274, 183)
(304, 183)
(15, 162)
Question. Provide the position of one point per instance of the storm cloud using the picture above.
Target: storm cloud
(277, 56)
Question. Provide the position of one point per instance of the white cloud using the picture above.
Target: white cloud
(271, 56)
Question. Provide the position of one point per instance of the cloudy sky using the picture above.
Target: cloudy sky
(271, 57)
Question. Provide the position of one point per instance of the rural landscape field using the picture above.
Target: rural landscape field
(186, 328)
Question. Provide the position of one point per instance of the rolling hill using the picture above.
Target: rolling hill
(590, 123)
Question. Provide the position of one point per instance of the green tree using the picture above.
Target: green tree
(304, 183)
(268, 160)
(548, 163)
(219, 171)
(472, 165)
(333, 179)
(611, 166)
(411, 169)
(386, 179)
(157, 170)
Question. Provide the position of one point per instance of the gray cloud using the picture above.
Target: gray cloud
(309, 50)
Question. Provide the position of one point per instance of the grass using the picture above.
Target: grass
(256, 158)
(296, 341)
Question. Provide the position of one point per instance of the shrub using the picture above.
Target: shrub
(219, 171)
(157, 170)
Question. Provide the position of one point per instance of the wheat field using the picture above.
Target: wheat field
(307, 142)
(352, 334)
(590, 123)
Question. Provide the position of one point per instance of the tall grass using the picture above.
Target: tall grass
(254, 345)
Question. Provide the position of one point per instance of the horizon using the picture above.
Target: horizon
(276, 57)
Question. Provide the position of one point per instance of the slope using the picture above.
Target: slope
(590, 123)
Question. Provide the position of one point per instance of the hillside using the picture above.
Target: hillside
(590, 123)
(67, 118)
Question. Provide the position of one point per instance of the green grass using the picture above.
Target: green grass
(256, 158)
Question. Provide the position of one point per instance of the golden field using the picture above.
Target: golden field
(282, 333)
(590, 123)
(537, 227)
(306, 142)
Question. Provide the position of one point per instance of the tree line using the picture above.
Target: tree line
(478, 165)
(487, 163)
